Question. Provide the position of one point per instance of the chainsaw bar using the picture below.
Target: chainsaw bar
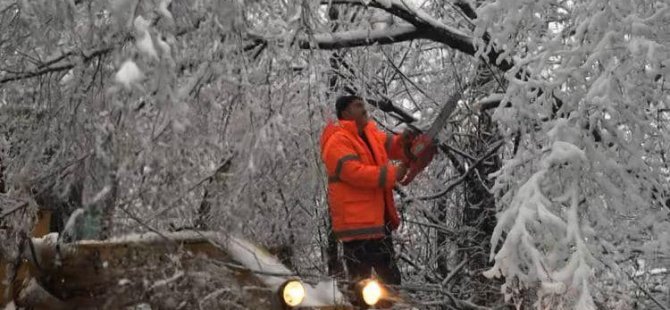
(424, 146)
(442, 118)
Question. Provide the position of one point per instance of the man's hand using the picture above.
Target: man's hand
(423, 149)
(401, 171)
(408, 137)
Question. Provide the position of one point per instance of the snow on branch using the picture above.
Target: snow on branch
(430, 28)
(489, 102)
(555, 256)
(49, 67)
(361, 38)
(461, 178)
(422, 20)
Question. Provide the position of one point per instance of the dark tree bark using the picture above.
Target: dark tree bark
(2, 178)
(479, 214)
(335, 267)
(442, 239)
(205, 207)
(333, 261)
(108, 205)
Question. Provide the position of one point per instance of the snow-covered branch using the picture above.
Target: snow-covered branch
(48, 67)
(431, 28)
(461, 178)
(519, 256)
(362, 37)
(489, 102)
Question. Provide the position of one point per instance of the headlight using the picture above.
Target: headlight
(292, 293)
(371, 292)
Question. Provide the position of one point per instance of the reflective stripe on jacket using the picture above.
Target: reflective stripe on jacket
(360, 182)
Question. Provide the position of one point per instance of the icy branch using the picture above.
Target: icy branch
(529, 255)
(355, 38)
(461, 178)
(430, 27)
(489, 102)
(46, 67)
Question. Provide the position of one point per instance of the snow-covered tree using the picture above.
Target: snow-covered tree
(587, 188)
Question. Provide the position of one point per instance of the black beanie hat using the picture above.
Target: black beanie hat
(343, 102)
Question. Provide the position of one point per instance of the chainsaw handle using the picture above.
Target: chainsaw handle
(420, 155)
(412, 172)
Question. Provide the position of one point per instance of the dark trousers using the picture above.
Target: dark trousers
(361, 256)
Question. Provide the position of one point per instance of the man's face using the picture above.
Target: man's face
(355, 111)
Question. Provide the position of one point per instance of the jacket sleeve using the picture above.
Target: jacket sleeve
(394, 145)
(344, 165)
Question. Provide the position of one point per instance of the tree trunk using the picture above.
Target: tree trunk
(442, 239)
(2, 178)
(335, 268)
(218, 179)
(479, 218)
(108, 206)
(203, 211)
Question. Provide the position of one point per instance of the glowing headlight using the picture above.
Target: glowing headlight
(292, 293)
(371, 292)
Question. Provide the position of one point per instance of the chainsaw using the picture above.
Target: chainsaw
(424, 145)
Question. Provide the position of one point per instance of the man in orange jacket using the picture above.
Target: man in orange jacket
(360, 184)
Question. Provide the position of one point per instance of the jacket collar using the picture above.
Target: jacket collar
(334, 125)
(351, 127)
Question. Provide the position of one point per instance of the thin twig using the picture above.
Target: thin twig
(404, 77)
(455, 302)
(142, 223)
(461, 178)
(646, 292)
(454, 272)
(191, 188)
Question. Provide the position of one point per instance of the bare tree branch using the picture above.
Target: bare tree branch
(461, 178)
(452, 300)
(432, 29)
(454, 272)
(29, 74)
(354, 38)
(42, 70)
(489, 102)
(467, 9)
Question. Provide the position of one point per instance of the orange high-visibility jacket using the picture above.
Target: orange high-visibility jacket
(360, 182)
